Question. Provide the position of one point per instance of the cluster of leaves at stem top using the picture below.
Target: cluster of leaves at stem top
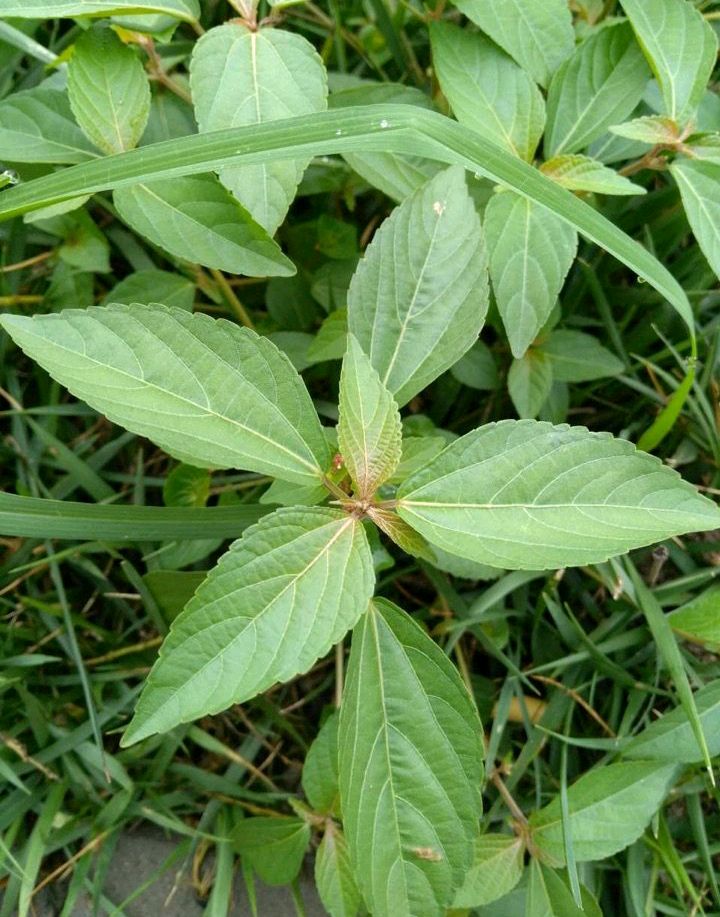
(403, 772)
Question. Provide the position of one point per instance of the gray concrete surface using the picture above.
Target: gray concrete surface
(142, 851)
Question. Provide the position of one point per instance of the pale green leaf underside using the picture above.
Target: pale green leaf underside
(699, 184)
(601, 84)
(395, 175)
(38, 126)
(188, 10)
(208, 392)
(539, 35)
(579, 357)
(369, 428)
(487, 90)
(419, 296)
(496, 870)
(334, 877)
(581, 173)
(671, 738)
(109, 91)
(320, 768)
(530, 495)
(240, 77)
(410, 767)
(681, 49)
(283, 594)
(609, 808)
(197, 219)
(531, 251)
(529, 382)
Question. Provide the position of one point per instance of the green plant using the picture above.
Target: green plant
(392, 781)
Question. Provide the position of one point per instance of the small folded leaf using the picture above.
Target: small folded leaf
(651, 129)
(539, 35)
(283, 594)
(549, 896)
(369, 428)
(528, 495)
(240, 76)
(320, 769)
(529, 382)
(188, 10)
(210, 393)
(401, 533)
(671, 738)
(274, 847)
(608, 808)
(601, 84)
(196, 219)
(698, 620)
(581, 173)
(418, 299)
(496, 870)
(109, 90)
(531, 251)
(38, 126)
(487, 90)
(699, 184)
(477, 368)
(579, 357)
(154, 286)
(410, 767)
(334, 877)
(681, 48)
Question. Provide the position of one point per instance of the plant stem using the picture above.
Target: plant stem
(231, 298)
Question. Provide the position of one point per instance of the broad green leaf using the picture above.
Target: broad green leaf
(389, 127)
(529, 382)
(581, 173)
(410, 767)
(109, 90)
(419, 296)
(532, 496)
(173, 589)
(601, 84)
(608, 807)
(699, 184)
(395, 175)
(38, 126)
(539, 35)
(195, 218)
(531, 251)
(208, 392)
(699, 620)
(680, 47)
(579, 357)
(274, 847)
(477, 368)
(496, 870)
(650, 129)
(238, 77)
(285, 493)
(187, 10)
(320, 768)
(154, 286)
(487, 90)
(369, 429)
(331, 340)
(671, 738)
(549, 896)
(283, 594)
(334, 877)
